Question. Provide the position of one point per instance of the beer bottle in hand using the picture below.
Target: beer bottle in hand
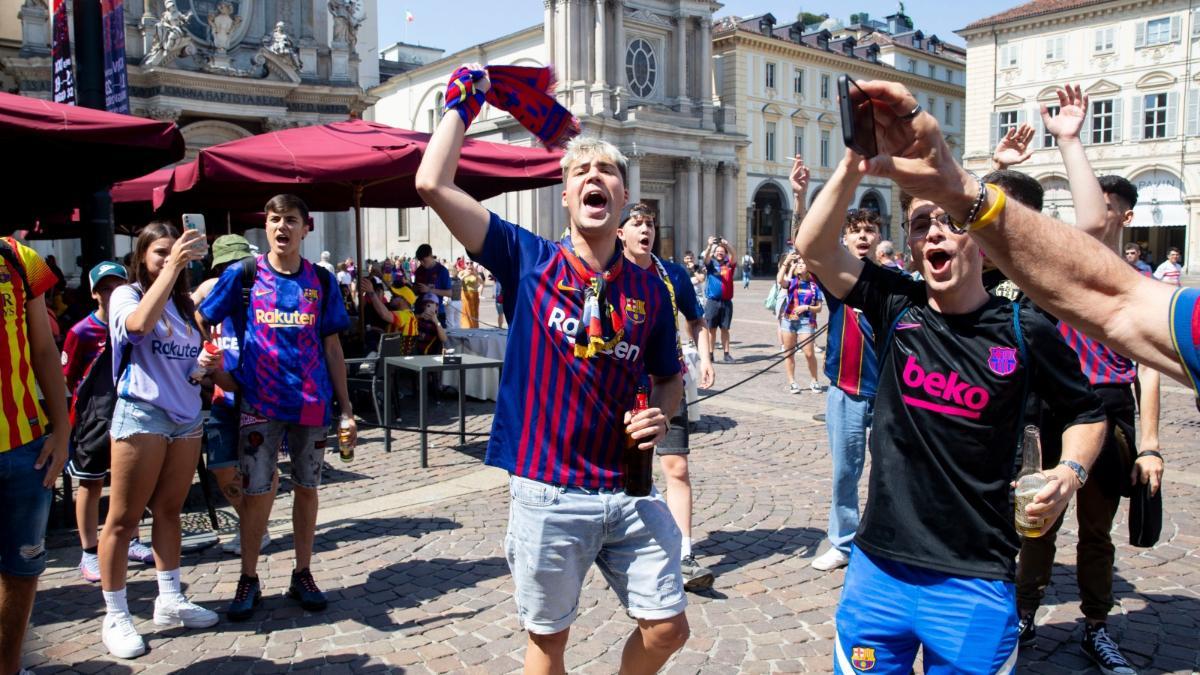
(637, 465)
(1030, 481)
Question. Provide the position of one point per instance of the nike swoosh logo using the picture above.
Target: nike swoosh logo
(907, 326)
(563, 287)
(261, 292)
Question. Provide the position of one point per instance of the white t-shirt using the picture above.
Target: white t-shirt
(1169, 272)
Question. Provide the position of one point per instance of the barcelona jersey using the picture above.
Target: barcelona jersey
(22, 420)
(1185, 332)
(850, 362)
(559, 418)
(282, 371)
(1099, 364)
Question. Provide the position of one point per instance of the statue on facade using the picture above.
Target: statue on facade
(282, 44)
(345, 23)
(221, 25)
(171, 39)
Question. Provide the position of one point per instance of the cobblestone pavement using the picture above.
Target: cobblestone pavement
(413, 564)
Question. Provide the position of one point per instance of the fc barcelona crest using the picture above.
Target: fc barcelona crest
(310, 294)
(635, 310)
(863, 658)
(1002, 360)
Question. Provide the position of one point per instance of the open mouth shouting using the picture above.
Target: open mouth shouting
(595, 203)
(938, 261)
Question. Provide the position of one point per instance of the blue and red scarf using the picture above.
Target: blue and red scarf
(525, 92)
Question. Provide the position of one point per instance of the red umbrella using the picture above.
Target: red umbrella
(58, 153)
(344, 165)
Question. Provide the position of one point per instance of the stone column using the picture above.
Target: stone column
(548, 31)
(682, 97)
(634, 172)
(683, 223)
(619, 59)
(600, 43)
(705, 71)
(729, 177)
(695, 235)
(35, 29)
(710, 223)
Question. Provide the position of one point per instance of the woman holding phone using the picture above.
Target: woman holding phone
(802, 301)
(156, 427)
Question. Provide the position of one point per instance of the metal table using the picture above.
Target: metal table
(423, 365)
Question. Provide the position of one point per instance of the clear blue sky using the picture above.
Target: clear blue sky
(456, 25)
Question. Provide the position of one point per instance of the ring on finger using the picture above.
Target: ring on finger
(912, 113)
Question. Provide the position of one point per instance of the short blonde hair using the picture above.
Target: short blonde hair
(586, 147)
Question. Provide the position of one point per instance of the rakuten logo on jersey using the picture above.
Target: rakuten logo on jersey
(567, 325)
(951, 395)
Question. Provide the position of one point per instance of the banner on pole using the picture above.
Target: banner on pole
(116, 81)
(62, 67)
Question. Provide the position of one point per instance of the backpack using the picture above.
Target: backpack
(10, 256)
(94, 400)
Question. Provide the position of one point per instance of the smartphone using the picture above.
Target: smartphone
(858, 117)
(194, 221)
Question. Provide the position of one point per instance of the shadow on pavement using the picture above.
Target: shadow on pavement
(413, 583)
(739, 548)
(354, 663)
(710, 423)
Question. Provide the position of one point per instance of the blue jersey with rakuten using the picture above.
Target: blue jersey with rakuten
(560, 418)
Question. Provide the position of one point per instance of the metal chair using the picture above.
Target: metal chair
(371, 380)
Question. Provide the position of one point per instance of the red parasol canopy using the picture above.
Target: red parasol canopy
(58, 153)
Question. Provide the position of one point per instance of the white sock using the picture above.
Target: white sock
(115, 602)
(168, 584)
(685, 549)
(90, 556)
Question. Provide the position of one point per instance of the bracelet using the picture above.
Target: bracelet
(971, 215)
(997, 207)
(1151, 453)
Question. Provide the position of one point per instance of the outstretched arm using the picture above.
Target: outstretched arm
(800, 180)
(1013, 148)
(463, 215)
(818, 239)
(1085, 189)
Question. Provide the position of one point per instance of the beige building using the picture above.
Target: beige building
(636, 75)
(777, 84)
(1137, 62)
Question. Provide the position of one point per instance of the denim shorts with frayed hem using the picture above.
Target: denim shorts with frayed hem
(25, 503)
(556, 533)
(131, 418)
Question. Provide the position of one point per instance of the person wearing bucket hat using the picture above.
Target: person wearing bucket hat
(221, 429)
(82, 345)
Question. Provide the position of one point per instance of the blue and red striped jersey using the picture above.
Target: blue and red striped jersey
(1185, 332)
(560, 419)
(1100, 365)
(850, 362)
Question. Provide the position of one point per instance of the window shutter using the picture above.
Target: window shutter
(1085, 134)
(1175, 25)
(1140, 39)
(995, 129)
(1193, 108)
(1020, 117)
(1135, 119)
(1172, 114)
(1116, 127)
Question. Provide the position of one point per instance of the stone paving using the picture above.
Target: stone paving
(412, 561)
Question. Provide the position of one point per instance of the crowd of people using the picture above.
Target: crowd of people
(937, 363)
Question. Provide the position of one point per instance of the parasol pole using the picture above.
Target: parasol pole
(358, 253)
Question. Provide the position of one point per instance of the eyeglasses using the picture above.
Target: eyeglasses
(918, 228)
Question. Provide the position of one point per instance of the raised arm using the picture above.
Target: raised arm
(1085, 189)
(1013, 147)
(818, 239)
(800, 179)
(463, 215)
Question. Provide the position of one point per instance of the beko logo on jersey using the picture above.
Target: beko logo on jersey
(566, 325)
(174, 351)
(967, 399)
(277, 319)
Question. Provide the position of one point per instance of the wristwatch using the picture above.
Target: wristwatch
(1080, 472)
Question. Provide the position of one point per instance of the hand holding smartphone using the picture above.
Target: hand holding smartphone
(858, 117)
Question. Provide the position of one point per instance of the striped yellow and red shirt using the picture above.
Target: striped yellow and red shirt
(21, 417)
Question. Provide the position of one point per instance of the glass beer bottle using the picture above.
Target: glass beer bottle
(637, 465)
(1030, 481)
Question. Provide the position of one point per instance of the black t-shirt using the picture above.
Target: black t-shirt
(945, 435)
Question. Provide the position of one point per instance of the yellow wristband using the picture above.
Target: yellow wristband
(993, 212)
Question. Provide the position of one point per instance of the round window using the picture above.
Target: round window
(641, 68)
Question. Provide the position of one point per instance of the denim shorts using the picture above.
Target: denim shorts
(799, 326)
(221, 437)
(259, 440)
(139, 417)
(556, 533)
(25, 504)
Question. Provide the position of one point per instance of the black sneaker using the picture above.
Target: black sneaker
(1026, 631)
(304, 589)
(1100, 646)
(695, 577)
(245, 599)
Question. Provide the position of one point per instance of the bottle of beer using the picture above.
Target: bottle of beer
(637, 465)
(345, 445)
(1030, 481)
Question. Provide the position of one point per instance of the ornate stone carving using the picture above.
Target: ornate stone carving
(282, 44)
(279, 123)
(346, 22)
(646, 16)
(164, 114)
(221, 25)
(171, 39)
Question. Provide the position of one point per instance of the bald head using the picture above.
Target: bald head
(885, 253)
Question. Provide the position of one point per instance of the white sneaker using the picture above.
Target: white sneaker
(830, 560)
(120, 637)
(183, 612)
(234, 546)
(815, 387)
